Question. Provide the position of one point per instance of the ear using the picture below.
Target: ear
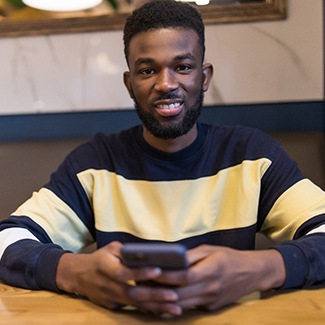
(127, 83)
(207, 70)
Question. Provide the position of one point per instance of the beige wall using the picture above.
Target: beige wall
(270, 61)
(254, 62)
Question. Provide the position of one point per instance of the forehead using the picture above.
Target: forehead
(162, 44)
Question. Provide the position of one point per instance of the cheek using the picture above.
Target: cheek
(194, 89)
(194, 84)
(139, 95)
(141, 91)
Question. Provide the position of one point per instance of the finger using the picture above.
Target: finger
(198, 253)
(192, 296)
(129, 276)
(155, 300)
(207, 296)
(174, 278)
(162, 308)
(111, 295)
(112, 266)
(141, 294)
(114, 248)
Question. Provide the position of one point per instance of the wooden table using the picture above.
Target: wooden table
(25, 307)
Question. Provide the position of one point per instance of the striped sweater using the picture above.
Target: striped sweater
(231, 183)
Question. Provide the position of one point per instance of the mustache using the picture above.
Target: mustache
(171, 95)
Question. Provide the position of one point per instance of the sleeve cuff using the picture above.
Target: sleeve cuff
(295, 264)
(46, 267)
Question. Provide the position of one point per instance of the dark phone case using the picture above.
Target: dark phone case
(165, 256)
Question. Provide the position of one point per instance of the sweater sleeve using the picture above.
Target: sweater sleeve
(31, 264)
(56, 219)
(304, 260)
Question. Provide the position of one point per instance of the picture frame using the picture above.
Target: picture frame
(28, 21)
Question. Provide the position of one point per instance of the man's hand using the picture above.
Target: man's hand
(102, 278)
(219, 276)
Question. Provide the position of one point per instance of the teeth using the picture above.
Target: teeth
(170, 106)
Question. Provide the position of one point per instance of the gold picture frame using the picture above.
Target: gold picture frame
(27, 21)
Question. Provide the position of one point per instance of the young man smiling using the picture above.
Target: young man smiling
(170, 179)
(167, 79)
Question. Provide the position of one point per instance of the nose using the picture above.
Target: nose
(166, 82)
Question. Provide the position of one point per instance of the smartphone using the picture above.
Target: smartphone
(164, 255)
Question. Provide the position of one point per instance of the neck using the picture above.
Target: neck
(171, 145)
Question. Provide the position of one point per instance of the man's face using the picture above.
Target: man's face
(167, 80)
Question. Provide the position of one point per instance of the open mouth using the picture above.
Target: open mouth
(169, 106)
(169, 109)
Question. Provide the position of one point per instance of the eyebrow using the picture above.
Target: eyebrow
(186, 56)
(148, 60)
(140, 61)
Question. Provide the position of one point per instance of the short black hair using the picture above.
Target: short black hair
(158, 14)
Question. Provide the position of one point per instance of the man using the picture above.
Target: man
(172, 179)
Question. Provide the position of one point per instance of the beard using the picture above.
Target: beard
(171, 130)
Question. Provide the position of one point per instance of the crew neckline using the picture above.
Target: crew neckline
(185, 153)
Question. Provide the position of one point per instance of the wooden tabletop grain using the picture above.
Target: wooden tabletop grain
(26, 307)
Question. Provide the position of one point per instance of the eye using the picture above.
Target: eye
(147, 71)
(183, 68)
